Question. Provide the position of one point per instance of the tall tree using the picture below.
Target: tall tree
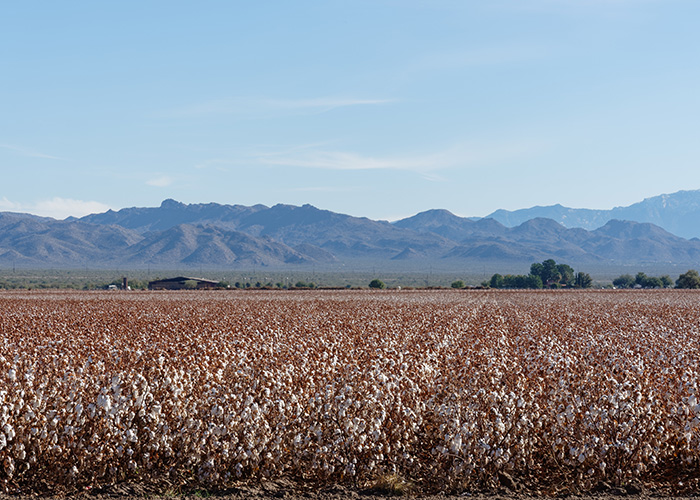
(550, 273)
(583, 280)
(689, 279)
(567, 274)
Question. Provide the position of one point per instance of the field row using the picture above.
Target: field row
(447, 389)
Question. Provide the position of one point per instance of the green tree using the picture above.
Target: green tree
(689, 279)
(666, 281)
(624, 281)
(512, 281)
(376, 283)
(520, 281)
(653, 282)
(457, 284)
(537, 269)
(496, 281)
(550, 273)
(583, 280)
(567, 274)
(640, 279)
(534, 281)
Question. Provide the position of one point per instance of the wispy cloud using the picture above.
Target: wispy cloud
(28, 152)
(427, 165)
(256, 106)
(9, 206)
(58, 208)
(161, 181)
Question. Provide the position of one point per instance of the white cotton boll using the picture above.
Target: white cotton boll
(456, 444)
(3, 440)
(131, 436)
(500, 426)
(9, 432)
(12, 374)
(104, 402)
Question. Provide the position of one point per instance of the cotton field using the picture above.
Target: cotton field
(450, 390)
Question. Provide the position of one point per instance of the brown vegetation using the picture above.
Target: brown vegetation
(442, 390)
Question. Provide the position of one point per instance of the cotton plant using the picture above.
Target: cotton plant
(447, 390)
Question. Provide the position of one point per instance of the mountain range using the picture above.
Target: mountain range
(214, 235)
(677, 213)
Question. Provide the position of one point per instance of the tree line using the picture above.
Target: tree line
(547, 274)
(689, 279)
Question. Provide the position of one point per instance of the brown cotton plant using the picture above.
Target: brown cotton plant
(445, 390)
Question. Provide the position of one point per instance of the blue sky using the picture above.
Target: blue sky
(380, 108)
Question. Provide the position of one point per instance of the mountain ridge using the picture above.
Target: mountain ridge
(678, 213)
(215, 235)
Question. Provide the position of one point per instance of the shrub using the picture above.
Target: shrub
(375, 283)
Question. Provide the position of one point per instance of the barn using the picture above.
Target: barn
(182, 283)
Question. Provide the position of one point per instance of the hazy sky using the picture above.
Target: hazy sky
(378, 108)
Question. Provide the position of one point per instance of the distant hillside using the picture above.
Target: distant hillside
(221, 236)
(172, 213)
(43, 242)
(677, 213)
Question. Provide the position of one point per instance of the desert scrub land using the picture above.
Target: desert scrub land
(423, 391)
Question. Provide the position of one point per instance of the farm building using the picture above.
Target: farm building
(182, 283)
